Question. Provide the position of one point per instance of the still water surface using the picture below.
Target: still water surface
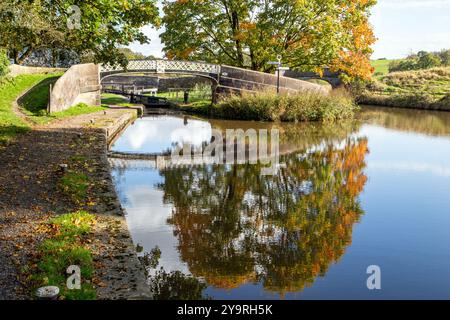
(375, 191)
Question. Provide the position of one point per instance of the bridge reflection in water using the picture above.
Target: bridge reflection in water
(234, 229)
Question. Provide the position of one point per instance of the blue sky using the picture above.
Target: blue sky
(401, 26)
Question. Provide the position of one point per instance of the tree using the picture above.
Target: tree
(91, 28)
(131, 55)
(24, 28)
(309, 35)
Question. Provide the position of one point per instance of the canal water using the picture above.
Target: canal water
(370, 192)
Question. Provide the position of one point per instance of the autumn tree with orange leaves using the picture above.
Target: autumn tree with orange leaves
(308, 34)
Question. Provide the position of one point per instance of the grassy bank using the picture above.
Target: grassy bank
(33, 104)
(305, 106)
(424, 89)
(66, 247)
(195, 96)
(10, 123)
(110, 99)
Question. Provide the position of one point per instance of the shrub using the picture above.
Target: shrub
(429, 60)
(4, 64)
(403, 65)
(445, 57)
(304, 106)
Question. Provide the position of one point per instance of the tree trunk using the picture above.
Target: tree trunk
(235, 28)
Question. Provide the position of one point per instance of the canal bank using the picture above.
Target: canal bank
(31, 195)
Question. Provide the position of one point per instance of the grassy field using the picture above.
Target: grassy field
(381, 67)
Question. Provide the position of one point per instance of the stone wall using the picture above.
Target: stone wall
(80, 84)
(16, 70)
(237, 79)
(331, 77)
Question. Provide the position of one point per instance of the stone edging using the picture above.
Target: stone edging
(134, 270)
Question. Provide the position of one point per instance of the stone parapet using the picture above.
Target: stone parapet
(80, 84)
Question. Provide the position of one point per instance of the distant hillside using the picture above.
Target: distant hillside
(381, 67)
(428, 89)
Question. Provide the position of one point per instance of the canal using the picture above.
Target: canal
(371, 192)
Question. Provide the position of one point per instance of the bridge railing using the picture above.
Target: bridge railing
(162, 66)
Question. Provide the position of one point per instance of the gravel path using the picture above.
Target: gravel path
(30, 170)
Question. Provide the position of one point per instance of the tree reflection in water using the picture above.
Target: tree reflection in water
(235, 226)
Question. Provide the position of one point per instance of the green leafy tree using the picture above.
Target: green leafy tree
(307, 34)
(421, 60)
(131, 55)
(95, 28)
(25, 26)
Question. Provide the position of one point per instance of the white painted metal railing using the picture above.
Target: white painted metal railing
(161, 66)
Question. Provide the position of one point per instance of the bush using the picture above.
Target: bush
(429, 60)
(403, 65)
(445, 57)
(4, 64)
(304, 106)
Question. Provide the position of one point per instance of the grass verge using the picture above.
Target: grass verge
(66, 247)
(305, 106)
(10, 123)
(115, 100)
(75, 185)
(34, 105)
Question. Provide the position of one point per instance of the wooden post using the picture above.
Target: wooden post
(49, 98)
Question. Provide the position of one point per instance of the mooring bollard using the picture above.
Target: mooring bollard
(47, 293)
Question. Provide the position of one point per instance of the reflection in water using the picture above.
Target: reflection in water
(310, 231)
(159, 134)
(235, 226)
(409, 120)
(231, 226)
